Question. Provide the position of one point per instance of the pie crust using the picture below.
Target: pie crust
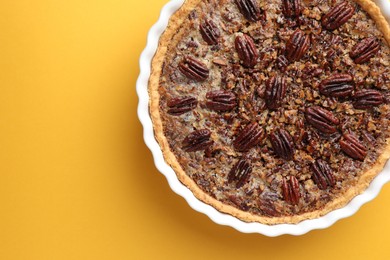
(169, 38)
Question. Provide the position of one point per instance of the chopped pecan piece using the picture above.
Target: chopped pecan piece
(194, 69)
(220, 61)
(292, 8)
(322, 174)
(249, 9)
(210, 32)
(181, 105)
(246, 50)
(369, 138)
(282, 63)
(275, 91)
(221, 100)
(367, 98)
(249, 137)
(197, 140)
(260, 91)
(290, 190)
(337, 85)
(297, 45)
(240, 172)
(351, 145)
(337, 16)
(322, 119)
(364, 50)
(268, 208)
(283, 144)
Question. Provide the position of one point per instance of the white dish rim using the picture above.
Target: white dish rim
(224, 219)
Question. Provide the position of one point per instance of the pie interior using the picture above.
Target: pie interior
(273, 111)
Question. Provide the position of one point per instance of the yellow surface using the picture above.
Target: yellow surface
(77, 181)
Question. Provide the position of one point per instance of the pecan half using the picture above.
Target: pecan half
(246, 50)
(210, 32)
(337, 16)
(322, 174)
(197, 140)
(240, 172)
(337, 85)
(292, 8)
(221, 100)
(290, 190)
(297, 45)
(249, 9)
(351, 145)
(249, 137)
(322, 119)
(364, 50)
(194, 69)
(275, 91)
(283, 144)
(367, 98)
(181, 105)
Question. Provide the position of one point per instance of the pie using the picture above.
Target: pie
(273, 111)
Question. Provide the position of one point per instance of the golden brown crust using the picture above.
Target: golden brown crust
(373, 10)
(170, 35)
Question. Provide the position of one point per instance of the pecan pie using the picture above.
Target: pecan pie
(274, 111)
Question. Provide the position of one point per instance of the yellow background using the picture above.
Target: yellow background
(77, 181)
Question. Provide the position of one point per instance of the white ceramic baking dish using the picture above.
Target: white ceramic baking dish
(218, 217)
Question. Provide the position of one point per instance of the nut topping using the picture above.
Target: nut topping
(290, 190)
(364, 50)
(322, 119)
(292, 8)
(337, 16)
(221, 100)
(367, 98)
(249, 9)
(351, 145)
(210, 32)
(197, 140)
(322, 174)
(297, 45)
(275, 91)
(246, 50)
(194, 69)
(240, 172)
(249, 137)
(283, 144)
(181, 105)
(337, 85)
